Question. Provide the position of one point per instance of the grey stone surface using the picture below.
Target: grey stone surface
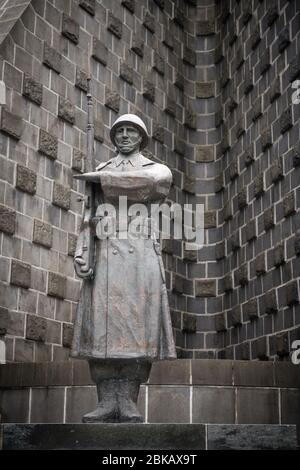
(42, 233)
(189, 323)
(205, 27)
(36, 328)
(20, 274)
(207, 372)
(286, 121)
(66, 110)
(271, 303)
(160, 3)
(257, 406)
(72, 240)
(32, 89)
(81, 79)
(129, 4)
(205, 288)
(26, 180)
(259, 185)
(11, 124)
(70, 28)
(48, 144)
(205, 89)
(158, 63)
(213, 405)
(56, 285)
(149, 22)
(126, 73)
(7, 220)
(170, 106)
(149, 90)
(242, 198)
(292, 293)
(104, 436)
(98, 130)
(52, 58)
(269, 220)
(220, 322)
(204, 153)
(253, 374)
(210, 219)
(61, 196)
(114, 25)
(170, 372)
(189, 56)
(266, 138)
(289, 204)
(255, 37)
(241, 275)
(88, 5)
(272, 12)
(67, 335)
(165, 403)
(251, 437)
(112, 100)
(53, 412)
(137, 45)
(250, 310)
(78, 160)
(158, 133)
(190, 118)
(234, 317)
(294, 68)
(100, 51)
(189, 183)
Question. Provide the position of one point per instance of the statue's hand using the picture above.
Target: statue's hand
(82, 270)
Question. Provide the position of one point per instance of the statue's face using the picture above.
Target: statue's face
(128, 139)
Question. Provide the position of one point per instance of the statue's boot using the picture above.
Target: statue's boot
(107, 407)
(128, 391)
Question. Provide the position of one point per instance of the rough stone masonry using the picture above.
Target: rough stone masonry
(213, 82)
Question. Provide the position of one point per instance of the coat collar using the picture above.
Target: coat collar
(138, 160)
(134, 160)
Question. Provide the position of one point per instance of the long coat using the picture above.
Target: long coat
(123, 312)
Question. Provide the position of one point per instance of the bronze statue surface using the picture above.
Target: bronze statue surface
(123, 319)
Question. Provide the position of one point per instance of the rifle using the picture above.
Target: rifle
(84, 254)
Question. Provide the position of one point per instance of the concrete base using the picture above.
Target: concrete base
(147, 436)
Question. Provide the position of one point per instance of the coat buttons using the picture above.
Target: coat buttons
(131, 250)
(115, 252)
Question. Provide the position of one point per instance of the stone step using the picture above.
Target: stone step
(178, 372)
(182, 391)
(147, 437)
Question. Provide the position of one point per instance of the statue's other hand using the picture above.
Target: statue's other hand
(81, 268)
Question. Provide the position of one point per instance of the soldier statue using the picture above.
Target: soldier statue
(123, 319)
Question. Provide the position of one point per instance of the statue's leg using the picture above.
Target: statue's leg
(118, 382)
(133, 374)
(104, 374)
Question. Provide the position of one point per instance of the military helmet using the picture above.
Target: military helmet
(133, 120)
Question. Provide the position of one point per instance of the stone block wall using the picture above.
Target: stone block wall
(143, 60)
(183, 391)
(213, 83)
(257, 52)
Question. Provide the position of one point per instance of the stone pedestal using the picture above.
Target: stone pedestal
(113, 436)
(138, 436)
